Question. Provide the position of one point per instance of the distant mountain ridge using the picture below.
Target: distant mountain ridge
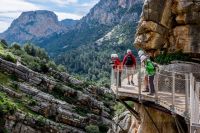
(101, 19)
(34, 25)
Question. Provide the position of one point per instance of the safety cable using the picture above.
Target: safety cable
(151, 118)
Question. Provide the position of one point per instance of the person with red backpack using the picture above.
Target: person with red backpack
(129, 62)
(117, 68)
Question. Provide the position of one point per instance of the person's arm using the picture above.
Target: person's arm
(134, 60)
(124, 60)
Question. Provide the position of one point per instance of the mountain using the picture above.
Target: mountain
(69, 23)
(85, 49)
(92, 56)
(101, 19)
(36, 96)
(34, 25)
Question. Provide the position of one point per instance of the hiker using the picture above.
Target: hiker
(150, 70)
(117, 68)
(146, 87)
(129, 62)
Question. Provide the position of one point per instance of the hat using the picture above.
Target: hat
(128, 51)
(140, 53)
(143, 57)
(114, 55)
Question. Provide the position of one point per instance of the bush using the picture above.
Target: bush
(61, 68)
(168, 57)
(92, 129)
(35, 51)
(103, 128)
(120, 108)
(8, 56)
(16, 46)
(52, 64)
(6, 106)
(4, 43)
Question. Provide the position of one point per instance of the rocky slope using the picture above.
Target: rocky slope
(172, 25)
(31, 102)
(34, 25)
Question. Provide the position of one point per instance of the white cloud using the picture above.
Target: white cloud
(10, 15)
(3, 26)
(58, 2)
(63, 15)
(17, 5)
(64, 2)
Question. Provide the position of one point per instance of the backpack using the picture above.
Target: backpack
(129, 61)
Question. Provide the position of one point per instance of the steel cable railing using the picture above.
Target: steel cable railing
(172, 89)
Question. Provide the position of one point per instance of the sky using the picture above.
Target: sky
(71, 9)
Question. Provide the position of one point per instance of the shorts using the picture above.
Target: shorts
(130, 70)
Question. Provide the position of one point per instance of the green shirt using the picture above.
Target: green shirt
(150, 69)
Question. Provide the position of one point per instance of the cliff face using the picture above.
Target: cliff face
(49, 99)
(109, 12)
(47, 104)
(152, 121)
(170, 24)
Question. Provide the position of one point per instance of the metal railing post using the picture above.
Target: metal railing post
(191, 98)
(117, 83)
(156, 88)
(186, 94)
(173, 91)
(197, 101)
(139, 84)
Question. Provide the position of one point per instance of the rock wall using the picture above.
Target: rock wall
(52, 98)
(170, 25)
(164, 122)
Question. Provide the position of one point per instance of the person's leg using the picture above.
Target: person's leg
(128, 77)
(146, 82)
(151, 84)
(120, 73)
(132, 72)
(128, 74)
(115, 73)
(132, 79)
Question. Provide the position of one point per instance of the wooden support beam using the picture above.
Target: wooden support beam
(133, 112)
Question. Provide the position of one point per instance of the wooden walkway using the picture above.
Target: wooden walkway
(163, 99)
(176, 93)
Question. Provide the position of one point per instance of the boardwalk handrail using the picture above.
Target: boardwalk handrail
(177, 92)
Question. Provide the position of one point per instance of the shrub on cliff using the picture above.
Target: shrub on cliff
(92, 129)
(6, 106)
(8, 56)
(166, 58)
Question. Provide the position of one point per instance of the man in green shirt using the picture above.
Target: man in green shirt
(150, 70)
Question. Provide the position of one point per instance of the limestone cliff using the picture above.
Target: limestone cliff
(169, 25)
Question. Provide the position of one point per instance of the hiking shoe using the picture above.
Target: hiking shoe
(145, 91)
